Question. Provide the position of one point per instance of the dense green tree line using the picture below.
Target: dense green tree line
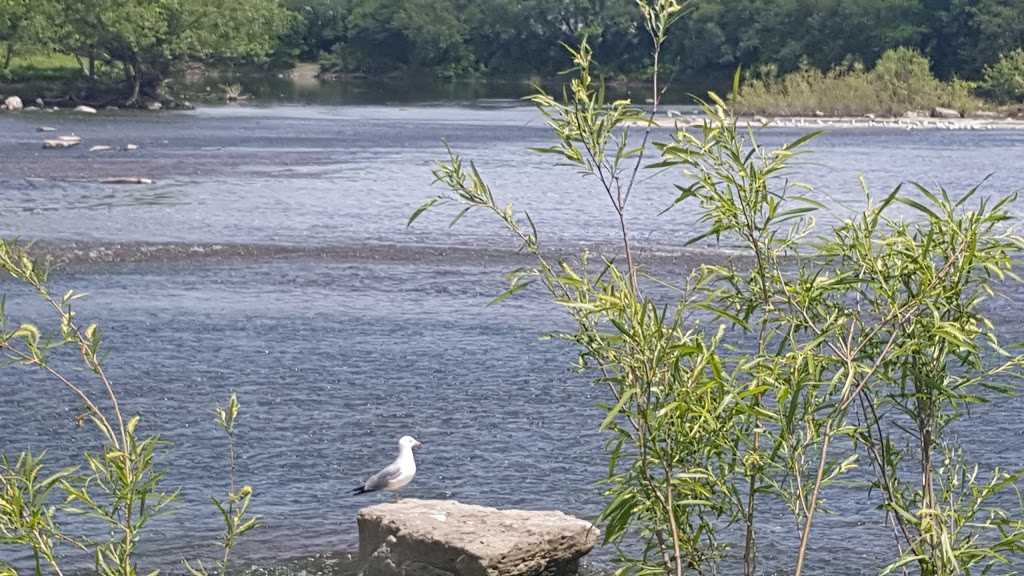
(145, 39)
(453, 37)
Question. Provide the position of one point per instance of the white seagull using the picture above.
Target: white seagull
(395, 475)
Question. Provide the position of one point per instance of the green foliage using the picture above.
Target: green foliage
(25, 25)
(41, 67)
(1005, 78)
(320, 25)
(900, 81)
(145, 38)
(903, 75)
(673, 427)
(736, 185)
(387, 36)
(933, 272)
(510, 37)
(966, 35)
(513, 37)
(521, 36)
(234, 510)
(869, 335)
(725, 34)
(120, 482)
(26, 516)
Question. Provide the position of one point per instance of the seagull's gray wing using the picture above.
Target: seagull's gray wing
(380, 480)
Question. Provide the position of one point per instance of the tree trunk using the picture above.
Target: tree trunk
(7, 56)
(85, 69)
(92, 71)
(136, 84)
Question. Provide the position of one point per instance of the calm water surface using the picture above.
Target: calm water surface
(271, 257)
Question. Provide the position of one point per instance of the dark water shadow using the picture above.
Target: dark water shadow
(280, 88)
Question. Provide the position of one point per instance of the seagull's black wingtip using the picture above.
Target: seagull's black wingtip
(359, 490)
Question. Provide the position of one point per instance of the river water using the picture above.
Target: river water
(271, 257)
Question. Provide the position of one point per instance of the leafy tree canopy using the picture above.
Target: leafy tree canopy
(24, 23)
(147, 38)
(960, 37)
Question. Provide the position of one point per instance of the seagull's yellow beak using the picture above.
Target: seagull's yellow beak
(418, 443)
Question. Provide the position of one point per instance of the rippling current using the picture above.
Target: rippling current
(271, 257)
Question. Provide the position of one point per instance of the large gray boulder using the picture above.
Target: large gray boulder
(446, 538)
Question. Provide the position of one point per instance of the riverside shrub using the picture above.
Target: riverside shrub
(900, 81)
(1005, 78)
(119, 482)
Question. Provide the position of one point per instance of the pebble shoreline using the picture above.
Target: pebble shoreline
(674, 118)
(833, 122)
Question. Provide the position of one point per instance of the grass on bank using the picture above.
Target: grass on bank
(900, 81)
(55, 69)
(41, 68)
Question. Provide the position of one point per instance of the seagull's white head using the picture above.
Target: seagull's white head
(408, 442)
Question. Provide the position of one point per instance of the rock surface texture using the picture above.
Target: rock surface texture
(945, 113)
(446, 538)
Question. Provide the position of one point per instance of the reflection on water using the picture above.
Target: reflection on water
(280, 88)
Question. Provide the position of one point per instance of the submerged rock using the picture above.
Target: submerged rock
(85, 109)
(940, 112)
(446, 538)
(126, 180)
(60, 143)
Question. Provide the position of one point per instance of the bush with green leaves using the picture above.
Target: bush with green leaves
(904, 75)
(120, 483)
(869, 342)
(1005, 78)
(900, 81)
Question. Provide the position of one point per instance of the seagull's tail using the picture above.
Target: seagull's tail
(359, 490)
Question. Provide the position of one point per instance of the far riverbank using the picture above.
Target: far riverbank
(986, 122)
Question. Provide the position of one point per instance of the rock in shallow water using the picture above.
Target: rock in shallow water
(60, 143)
(446, 538)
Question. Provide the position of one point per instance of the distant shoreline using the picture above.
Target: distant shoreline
(847, 122)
